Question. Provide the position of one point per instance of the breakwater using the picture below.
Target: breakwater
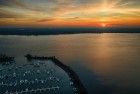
(75, 81)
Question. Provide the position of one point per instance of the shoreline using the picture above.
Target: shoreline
(60, 31)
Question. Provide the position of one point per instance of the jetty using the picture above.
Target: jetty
(74, 78)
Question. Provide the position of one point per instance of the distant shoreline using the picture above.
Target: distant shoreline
(60, 31)
(60, 34)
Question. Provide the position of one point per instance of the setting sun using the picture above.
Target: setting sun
(103, 25)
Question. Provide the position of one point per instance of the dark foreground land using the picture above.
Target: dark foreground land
(56, 31)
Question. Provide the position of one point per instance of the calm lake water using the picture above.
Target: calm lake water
(105, 63)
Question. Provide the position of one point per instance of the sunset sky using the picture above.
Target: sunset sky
(70, 13)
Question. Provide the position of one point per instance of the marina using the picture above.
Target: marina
(75, 81)
(41, 75)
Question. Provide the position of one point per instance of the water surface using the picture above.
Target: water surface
(106, 63)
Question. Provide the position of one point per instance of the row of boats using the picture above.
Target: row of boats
(34, 91)
(26, 73)
(29, 82)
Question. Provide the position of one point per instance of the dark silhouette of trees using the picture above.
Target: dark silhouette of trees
(6, 59)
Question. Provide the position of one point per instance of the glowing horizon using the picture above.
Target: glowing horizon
(70, 13)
